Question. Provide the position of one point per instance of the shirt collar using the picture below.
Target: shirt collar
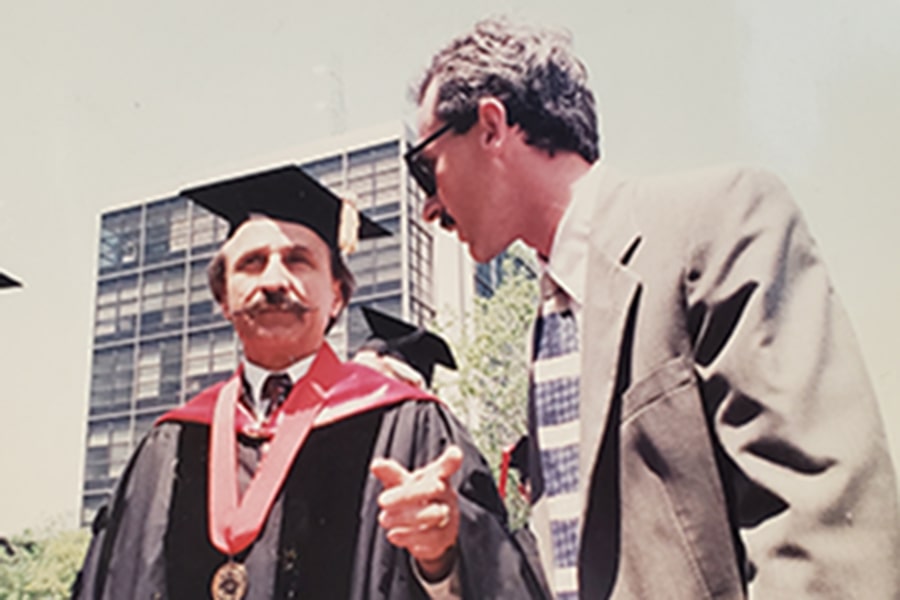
(567, 263)
(255, 375)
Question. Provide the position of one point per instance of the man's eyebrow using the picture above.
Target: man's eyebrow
(303, 252)
(297, 248)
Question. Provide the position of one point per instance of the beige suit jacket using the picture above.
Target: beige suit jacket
(731, 441)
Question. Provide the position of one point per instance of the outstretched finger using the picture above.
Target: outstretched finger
(448, 463)
(389, 472)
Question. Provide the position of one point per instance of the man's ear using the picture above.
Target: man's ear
(492, 120)
(217, 280)
(337, 305)
(223, 306)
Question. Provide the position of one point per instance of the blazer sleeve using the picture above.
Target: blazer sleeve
(813, 489)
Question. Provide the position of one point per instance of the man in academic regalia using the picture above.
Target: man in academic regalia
(260, 486)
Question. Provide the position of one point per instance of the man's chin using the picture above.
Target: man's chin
(482, 255)
(277, 347)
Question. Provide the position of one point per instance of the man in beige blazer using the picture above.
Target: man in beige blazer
(727, 439)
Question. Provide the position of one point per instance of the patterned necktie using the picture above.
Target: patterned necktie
(554, 394)
(274, 391)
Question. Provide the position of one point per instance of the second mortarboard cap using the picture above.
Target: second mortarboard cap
(418, 347)
(518, 460)
(287, 193)
(8, 282)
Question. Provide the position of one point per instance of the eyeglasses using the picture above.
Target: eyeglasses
(420, 168)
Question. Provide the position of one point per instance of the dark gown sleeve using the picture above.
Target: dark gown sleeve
(492, 563)
(125, 556)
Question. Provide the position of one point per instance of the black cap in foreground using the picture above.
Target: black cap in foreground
(518, 458)
(8, 282)
(416, 346)
(287, 193)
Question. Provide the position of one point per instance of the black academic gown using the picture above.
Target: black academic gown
(321, 538)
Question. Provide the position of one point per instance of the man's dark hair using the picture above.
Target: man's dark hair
(215, 272)
(531, 70)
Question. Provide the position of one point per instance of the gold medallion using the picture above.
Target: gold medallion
(230, 581)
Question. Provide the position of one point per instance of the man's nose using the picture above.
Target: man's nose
(275, 275)
(433, 210)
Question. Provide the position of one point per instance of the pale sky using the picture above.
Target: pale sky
(110, 103)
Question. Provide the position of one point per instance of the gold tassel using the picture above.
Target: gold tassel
(348, 228)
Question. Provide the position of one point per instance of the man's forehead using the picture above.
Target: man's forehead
(260, 231)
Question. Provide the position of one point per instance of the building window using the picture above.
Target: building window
(112, 375)
(202, 309)
(116, 315)
(166, 236)
(357, 329)
(328, 171)
(119, 240)
(208, 231)
(420, 262)
(108, 449)
(421, 313)
(159, 373)
(162, 300)
(211, 357)
(384, 155)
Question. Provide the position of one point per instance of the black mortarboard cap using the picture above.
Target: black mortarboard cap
(418, 347)
(285, 193)
(8, 282)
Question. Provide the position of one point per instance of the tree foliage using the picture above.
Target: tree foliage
(41, 565)
(491, 397)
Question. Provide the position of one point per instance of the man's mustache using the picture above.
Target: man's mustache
(267, 300)
(446, 221)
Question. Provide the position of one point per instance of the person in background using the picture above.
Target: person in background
(402, 350)
(409, 353)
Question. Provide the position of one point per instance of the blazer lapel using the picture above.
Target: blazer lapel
(608, 297)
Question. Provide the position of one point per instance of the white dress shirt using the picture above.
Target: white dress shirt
(567, 263)
(256, 376)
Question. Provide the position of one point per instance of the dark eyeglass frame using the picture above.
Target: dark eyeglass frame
(421, 170)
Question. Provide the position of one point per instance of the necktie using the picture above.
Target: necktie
(274, 390)
(554, 393)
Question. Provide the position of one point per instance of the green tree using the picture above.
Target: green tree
(492, 387)
(41, 565)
